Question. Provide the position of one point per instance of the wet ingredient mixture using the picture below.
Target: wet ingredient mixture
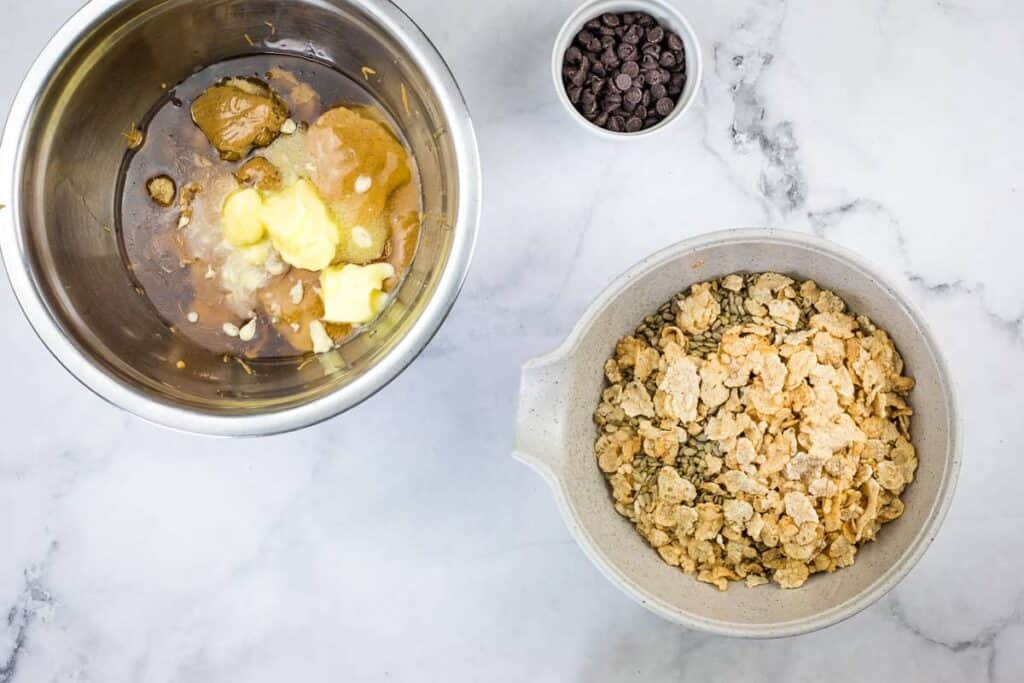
(271, 209)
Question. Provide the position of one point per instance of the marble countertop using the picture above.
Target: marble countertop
(129, 553)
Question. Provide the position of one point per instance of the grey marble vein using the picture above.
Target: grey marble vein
(31, 603)
(984, 640)
(740, 61)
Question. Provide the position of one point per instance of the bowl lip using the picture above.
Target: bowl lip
(672, 18)
(911, 554)
(17, 262)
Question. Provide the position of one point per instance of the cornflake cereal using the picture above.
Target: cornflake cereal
(755, 429)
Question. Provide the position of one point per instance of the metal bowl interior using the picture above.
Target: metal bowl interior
(62, 149)
(556, 434)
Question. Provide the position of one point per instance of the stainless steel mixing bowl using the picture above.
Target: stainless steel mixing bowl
(59, 163)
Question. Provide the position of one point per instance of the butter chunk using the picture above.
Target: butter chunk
(243, 218)
(354, 294)
(301, 226)
(322, 342)
(257, 254)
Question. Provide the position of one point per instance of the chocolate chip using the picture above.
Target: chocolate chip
(624, 71)
(664, 106)
(676, 83)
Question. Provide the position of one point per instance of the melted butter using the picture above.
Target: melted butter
(243, 218)
(359, 167)
(301, 227)
(296, 220)
(354, 294)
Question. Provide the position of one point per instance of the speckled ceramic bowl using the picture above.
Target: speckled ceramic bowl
(555, 435)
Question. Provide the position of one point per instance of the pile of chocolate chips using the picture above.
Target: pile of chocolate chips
(624, 72)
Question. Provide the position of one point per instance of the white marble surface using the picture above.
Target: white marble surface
(128, 553)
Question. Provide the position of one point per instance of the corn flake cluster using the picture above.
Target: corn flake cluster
(755, 429)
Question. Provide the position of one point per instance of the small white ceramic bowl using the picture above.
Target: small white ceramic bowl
(670, 18)
(556, 434)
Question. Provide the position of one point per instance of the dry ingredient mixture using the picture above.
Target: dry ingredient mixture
(756, 429)
(269, 209)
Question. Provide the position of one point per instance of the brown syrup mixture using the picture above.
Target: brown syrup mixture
(176, 253)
